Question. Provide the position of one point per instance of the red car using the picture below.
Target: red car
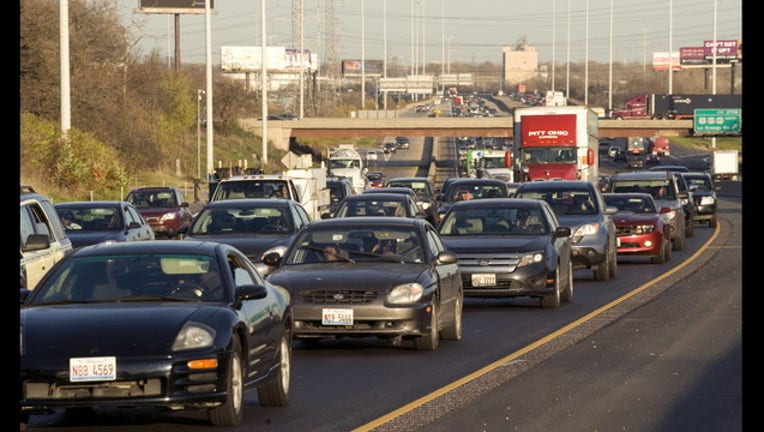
(640, 229)
(376, 179)
(164, 208)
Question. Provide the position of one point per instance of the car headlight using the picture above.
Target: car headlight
(168, 217)
(530, 258)
(425, 205)
(644, 229)
(281, 250)
(405, 293)
(194, 336)
(707, 200)
(587, 229)
(669, 216)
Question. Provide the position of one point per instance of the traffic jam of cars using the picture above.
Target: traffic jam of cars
(395, 263)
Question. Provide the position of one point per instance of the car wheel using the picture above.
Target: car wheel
(229, 413)
(602, 270)
(429, 342)
(712, 222)
(613, 268)
(454, 330)
(678, 243)
(661, 257)
(552, 301)
(276, 391)
(689, 230)
(567, 292)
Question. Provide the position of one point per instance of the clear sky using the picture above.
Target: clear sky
(474, 30)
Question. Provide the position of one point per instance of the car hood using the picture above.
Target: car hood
(574, 221)
(492, 244)
(156, 211)
(375, 276)
(631, 218)
(107, 329)
(90, 238)
(252, 246)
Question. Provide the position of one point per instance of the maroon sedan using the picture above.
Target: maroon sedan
(164, 208)
(640, 227)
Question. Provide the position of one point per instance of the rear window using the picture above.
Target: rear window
(659, 189)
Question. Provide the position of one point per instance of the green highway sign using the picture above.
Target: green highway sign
(717, 120)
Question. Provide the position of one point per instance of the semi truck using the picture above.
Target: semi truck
(724, 165)
(346, 161)
(556, 143)
(490, 163)
(673, 106)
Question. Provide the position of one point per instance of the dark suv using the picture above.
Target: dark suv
(164, 208)
(664, 187)
(703, 196)
(579, 205)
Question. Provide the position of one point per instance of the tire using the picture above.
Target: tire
(668, 251)
(567, 293)
(661, 258)
(552, 301)
(230, 412)
(454, 330)
(602, 270)
(712, 222)
(276, 391)
(678, 243)
(613, 268)
(689, 230)
(429, 342)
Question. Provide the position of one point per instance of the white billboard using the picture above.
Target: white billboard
(280, 59)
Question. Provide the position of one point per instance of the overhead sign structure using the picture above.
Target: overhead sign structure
(717, 120)
(280, 59)
(455, 79)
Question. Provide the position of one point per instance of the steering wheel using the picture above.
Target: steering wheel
(189, 290)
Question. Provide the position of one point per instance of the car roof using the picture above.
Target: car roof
(556, 185)
(643, 175)
(499, 202)
(148, 247)
(91, 204)
(377, 196)
(155, 188)
(249, 202)
(677, 168)
(365, 221)
(391, 190)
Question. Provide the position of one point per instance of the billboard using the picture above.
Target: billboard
(174, 6)
(726, 50)
(353, 68)
(280, 59)
(692, 56)
(661, 61)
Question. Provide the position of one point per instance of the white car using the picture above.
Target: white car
(371, 155)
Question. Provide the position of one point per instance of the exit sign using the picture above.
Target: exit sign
(717, 120)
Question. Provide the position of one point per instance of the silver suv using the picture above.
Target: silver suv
(43, 241)
(663, 186)
(579, 205)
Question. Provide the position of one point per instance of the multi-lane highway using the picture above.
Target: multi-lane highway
(657, 348)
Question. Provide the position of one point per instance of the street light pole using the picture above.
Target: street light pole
(199, 93)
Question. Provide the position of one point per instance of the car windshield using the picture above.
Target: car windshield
(699, 183)
(241, 220)
(420, 187)
(91, 218)
(631, 204)
(494, 221)
(455, 192)
(660, 189)
(134, 277)
(564, 202)
(251, 189)
(372, 208)
(152, 199)
(357, 244)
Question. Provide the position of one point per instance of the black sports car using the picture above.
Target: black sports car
(166, 324)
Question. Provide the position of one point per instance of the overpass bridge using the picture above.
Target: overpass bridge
(280, 131)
